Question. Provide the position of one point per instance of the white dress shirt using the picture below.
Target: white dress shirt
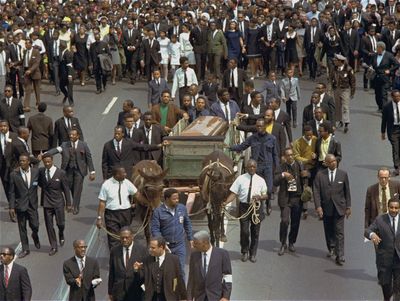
(222, 105)
(208, 256)
(148, 132)
(235, 78)
(26, 176)
(52, 171)
(161, 259)
(179, 79)
(242, 184)
(81, 262)
(332, 175)
(395, 119)
(124, 253)
(109, 193)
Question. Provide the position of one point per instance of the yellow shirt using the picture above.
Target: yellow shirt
(269, 128)
(324, 148)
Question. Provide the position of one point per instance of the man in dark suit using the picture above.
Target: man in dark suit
(378, 195)
(338, 15)
(53, 54)
(308, 111)
(122, 152)
(317, 121)
(327, 100)
(256, 109)
(198, 38)
(11, 109)
(390, 124)
(6, 139)
(81, 273)
(209, 88)
(155, 87)
(153, 134)
(384, 233)
(20, 147)
(368, 51)
(390, 35)
(100, 75)
(63, 125)
(127, 105)
(55, 197)
(15, 284)
(233, 80)
(334, 147)
(290, 179)
(131, 40)
(32, 74)
(351, 43)
(24, 202)
(268, 39)
(41, 127)
(76, 161)
(312, 38)
(175, 28)
(124, 282)
(161, 272)
(15, 64)
(384, 65)
(225, 107)
(210, 271)
(281, 117)
(149, 54)
(66, 73)
(332, 199)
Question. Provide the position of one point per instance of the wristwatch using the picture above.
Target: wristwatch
(99, 217)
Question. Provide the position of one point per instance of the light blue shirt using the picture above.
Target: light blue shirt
(379, 58)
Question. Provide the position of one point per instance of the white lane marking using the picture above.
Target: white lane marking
(62, 291)
(109, 106)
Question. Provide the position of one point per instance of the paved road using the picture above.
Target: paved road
(305, 275)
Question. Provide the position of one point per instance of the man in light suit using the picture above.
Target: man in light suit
(15, 284)
(378, 195)
(81, 273)
(290, 93)
(224, 107)
(217, 49)
(332, 199)
(155, 87)
(124, 282)
(384, 233)
(210, 271)
(32, 74)
(24, 202)
(76, 162)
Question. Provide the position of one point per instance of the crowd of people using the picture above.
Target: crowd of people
(198, 58)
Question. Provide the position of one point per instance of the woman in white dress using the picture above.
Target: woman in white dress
(186, 46)
(164, 42)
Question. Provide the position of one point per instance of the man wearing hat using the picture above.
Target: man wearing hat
(344, 87)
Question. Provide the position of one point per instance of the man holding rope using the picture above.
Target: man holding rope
(115, 203)
(251, 190)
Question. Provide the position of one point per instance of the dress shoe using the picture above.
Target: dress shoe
(75, 211)
(292, 248)
(36, 241)
(282, 250)
(52, 252)
(345, 130)
(132, 81)
(223, 238)
(64, 100)
(24, 254)
(245, 256)
(253, 259)
(330, 253)
(305, 215)
(338, 261)
(62, 240)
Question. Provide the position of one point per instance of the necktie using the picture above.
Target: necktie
(241, 27)
(82, 267)
(69, 123)
(9, 102)
(158, 82)
(394, 225)
(397, 113)
(148, 135)
(226, 112)
(331, 177)
(126, 256)
(373, 44)
(185, 78)
(118, 148)
(16, 51)
(384, 200)
(6, 276)
(119, 193)
(25, 178)
(232, 80)
(48, 175)
(51, 34)
(27, 147)
(250, 186)
(204, 263)
(290, 86)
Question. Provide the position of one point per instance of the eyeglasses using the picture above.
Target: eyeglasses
(4, 254)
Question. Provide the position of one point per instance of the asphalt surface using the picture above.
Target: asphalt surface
(304, 275)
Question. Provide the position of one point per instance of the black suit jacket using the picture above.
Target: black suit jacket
(55, 193)
(331, 196)
(366, 49)
(308, 113)
(61, 130)
(284, 120)
(372, 200)
(6, 159)
(210, 91)
(387, 38)
(330, 102)
(42, 130)
(242, 77)
(217, 283)
(387, 122)
(283, 195)
(66, 68)
(334, 148)
(123, 282)
(19, 285)
(388, 62)
(313, 125)
(14, 114)
(198, 38)
(22, 197)
(148, 54)
(157, 135)
(350, 43)
(252, 118)
(130, 155)
(134, 40)
(71, 272)
(173, 283)
(82, 154)
(318, 37)
(387, 249)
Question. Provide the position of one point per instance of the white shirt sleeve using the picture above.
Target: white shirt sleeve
(131, 188)
(103, 194)
(235, 187)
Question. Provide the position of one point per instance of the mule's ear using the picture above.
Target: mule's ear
(162, 175)
(143, 174)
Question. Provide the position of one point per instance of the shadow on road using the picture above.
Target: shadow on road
(358, 274)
